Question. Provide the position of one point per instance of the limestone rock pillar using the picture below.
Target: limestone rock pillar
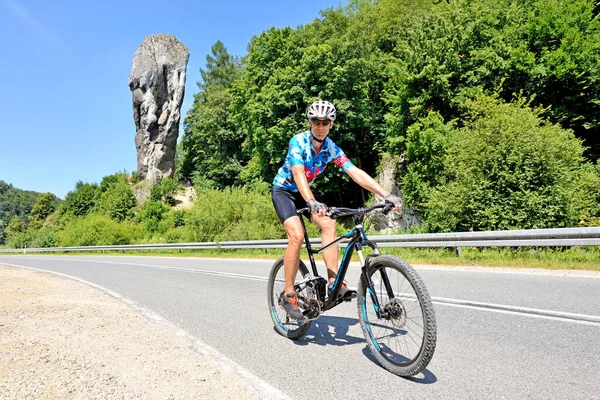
(157, 84)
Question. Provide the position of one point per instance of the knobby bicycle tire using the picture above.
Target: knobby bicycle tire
(404, 343)
(284, 326)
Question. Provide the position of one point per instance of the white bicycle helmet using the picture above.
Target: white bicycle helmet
(321, 109)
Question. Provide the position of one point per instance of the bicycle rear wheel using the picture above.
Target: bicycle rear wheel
(403, 340)
(284, 325)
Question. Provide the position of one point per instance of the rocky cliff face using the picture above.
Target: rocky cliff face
(388, 176)
(157, 84)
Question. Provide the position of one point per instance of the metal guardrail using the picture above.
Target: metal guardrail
(516, 238)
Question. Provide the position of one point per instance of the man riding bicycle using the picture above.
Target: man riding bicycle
(308, 155)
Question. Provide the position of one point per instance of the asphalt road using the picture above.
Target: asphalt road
(502, 334)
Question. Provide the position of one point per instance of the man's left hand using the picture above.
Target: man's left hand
(395, 200)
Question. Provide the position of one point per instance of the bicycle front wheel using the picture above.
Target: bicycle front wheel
(403, 337)
(284, 325)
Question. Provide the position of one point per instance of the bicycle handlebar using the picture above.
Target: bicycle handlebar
(336, 212)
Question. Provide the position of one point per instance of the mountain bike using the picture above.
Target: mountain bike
(394, 307)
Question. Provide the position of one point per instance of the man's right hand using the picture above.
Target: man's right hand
(316, 207)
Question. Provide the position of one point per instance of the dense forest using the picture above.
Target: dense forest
(15, 206)
(434, 84)
(489, 110)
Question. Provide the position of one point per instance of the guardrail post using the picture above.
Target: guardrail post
(458, 251)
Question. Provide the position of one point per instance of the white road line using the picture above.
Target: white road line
(530, 312)
(191, 270)
(571, 273)
(498, 308)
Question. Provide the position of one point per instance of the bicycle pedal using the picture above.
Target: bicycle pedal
(349, 295)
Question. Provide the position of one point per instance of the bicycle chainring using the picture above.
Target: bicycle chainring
(313, 309)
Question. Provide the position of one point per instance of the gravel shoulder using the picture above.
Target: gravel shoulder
(62, 339)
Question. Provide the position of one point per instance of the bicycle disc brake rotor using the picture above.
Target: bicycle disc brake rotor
(397, 312)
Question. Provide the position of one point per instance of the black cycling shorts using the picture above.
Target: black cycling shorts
(286, 203)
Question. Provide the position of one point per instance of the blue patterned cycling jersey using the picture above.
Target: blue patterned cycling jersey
(301, 152)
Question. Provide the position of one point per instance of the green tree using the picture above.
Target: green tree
(426, 144)
(211, 144)
(549, 51)
(557, 62)
(118, 201)
(15, 226)
(45, 205)
(110, 180)
(399, 72)
(2, 234)
(286, 71)
(83, 199)
(13, 202)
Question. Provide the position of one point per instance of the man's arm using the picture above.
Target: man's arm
(307, 194)
(302, 182)
(363, 179)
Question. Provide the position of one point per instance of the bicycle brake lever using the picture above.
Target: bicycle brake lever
(388, 207)
(332, 213)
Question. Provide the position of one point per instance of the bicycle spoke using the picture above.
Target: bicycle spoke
(285, 326)
(400, 334)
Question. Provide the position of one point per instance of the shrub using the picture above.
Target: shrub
(19, 240)
(97, 229)
(118, 201)
(201, 183)
(508, 169)
(151, 214)
(586, 200)
(46, 237)
(164, 191)
(234, 214)
(173, 219)
(180, 234)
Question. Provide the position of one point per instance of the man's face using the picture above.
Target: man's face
(320, 127)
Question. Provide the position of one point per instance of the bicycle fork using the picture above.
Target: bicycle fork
(381, 313)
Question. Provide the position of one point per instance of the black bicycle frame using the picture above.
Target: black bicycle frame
(358, 239)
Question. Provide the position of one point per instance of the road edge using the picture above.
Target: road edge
(227, 364)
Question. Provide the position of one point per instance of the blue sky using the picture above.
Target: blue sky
(66, 106)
